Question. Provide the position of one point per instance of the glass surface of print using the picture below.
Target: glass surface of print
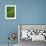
(10, 12)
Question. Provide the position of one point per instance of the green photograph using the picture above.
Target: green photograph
(10, 12)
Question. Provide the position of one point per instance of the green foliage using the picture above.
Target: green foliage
(10, 12)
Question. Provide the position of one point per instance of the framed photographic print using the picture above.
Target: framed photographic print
(33, 32)
(10, 11)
